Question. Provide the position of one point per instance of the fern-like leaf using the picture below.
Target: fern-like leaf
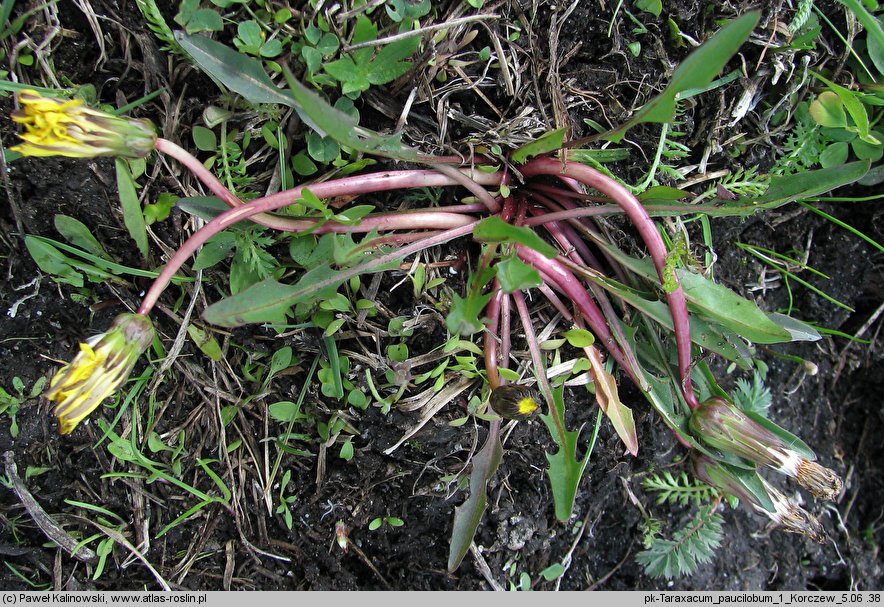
(688, 549)
(754, 397)
(679, 490)
(802, 148)
(801, 15)
(157, 23)
(746, 182)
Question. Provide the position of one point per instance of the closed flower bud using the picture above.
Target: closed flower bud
(102, 364)
(55, 127)
(723, 426)
(514, 402)
(785, 513)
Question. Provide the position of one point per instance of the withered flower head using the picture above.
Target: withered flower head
(723, 426)
(102, 364)
(55, 127)
(513, 401)
(785, 513)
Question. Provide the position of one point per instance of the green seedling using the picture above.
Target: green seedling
(391, 521)
(106, 543)
(358, 70)
(252, 40)
(10, 403)
(286, 501)
(126, 450)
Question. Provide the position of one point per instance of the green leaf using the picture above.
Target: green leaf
(709, 337)
(465, 314)
(267, 301)
(692, 546)
(653, 7)
(303, 165)
(216, 248)
(53, 262)
(204, 139)
(204, 20)
(347, 451)
(738, 314)
(390, 62)
(545, 143)
(714, 301)
(280, 361)
(205, 341)
(788, 188)
(133, 217)
(553, 572)
(852, 104)
(495, 229)
(204, 207)
(468, 515)
(662, 192)
(339, 125)
(579, 338)
(565, 470)
(828, 110)
(868, 151)
(834, 154)
(322, 149)
(403, 10)
(239, 73)
(696, 71)
(79, 235)
(285, 411)
(516, 275)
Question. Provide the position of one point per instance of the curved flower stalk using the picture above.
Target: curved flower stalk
(102, 364)
(647, 229)
(781, 510)
(723, 426)
(68, 128)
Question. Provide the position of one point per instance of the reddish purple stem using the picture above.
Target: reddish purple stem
(339, 187)
(653, 241)
(574, 290)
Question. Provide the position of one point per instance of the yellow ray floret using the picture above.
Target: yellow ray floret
(55, 127)
(102, 364)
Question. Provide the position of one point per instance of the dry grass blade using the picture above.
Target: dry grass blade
(433, 406)
(122, 541)
(46, 523)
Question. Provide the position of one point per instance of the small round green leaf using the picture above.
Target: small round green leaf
(834, 155)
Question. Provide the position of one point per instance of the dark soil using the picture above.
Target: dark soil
(838, 411)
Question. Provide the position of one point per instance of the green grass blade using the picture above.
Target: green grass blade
(846, 226)
(695, 72)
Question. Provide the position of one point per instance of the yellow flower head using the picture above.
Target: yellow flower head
(54, 127)
(513, 401)
(103, 363)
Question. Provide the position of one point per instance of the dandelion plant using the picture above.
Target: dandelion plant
(537, 232)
